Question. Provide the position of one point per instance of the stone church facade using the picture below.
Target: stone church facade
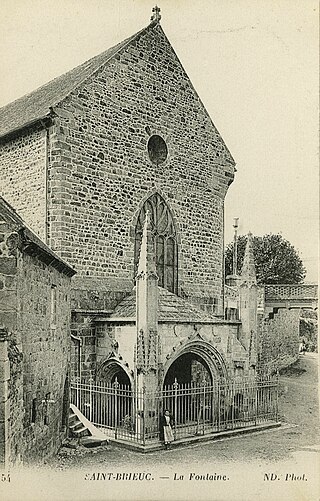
(91, 158)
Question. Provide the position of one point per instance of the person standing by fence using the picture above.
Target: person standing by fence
(166, 424)
(302, 347)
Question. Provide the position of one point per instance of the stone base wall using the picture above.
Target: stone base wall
(16, 402)
(83, 349)
(97, 293)
(35, 312)
(278, 340)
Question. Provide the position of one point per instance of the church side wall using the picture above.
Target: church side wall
(102, 130)
(22, 177)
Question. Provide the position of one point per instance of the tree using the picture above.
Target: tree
(276, 260)
(309, 329)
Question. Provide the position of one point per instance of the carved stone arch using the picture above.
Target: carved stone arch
(165, 239)
(110, 368)
(212, 358)
(111, 371)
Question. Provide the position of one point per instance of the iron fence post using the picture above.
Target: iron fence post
(175, 405)
(90, 400)
(79, 395)
(218, 404)
(233, 392)
(277, 396)
(143, 415)
(203, 405)
(116, 385)
(255, 410)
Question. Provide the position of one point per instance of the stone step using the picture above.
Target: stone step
(74, 425)
(80, 430)
(87, 426)
(93, 441)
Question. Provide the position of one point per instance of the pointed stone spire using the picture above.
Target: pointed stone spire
(147, 262)
(147, 346)
(156, 16)
(147, 301)
(248, 272)
(249, 300)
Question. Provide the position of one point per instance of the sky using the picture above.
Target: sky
(254, 64)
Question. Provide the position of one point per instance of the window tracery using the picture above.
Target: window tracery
(164, 239)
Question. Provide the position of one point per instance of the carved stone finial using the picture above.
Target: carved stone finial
(147, 263)
(147, 222)
(156, 16)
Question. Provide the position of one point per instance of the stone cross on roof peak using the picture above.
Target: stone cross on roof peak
(156, 16)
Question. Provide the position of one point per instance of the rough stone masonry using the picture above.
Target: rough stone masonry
(93, 171)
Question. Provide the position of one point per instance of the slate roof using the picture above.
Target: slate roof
(37, 105)
(31, 243)
(170, 308)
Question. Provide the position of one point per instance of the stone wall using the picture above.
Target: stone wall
(83, 347)
(120, 339)
(97, 294)
(93, 342)
(15, 401)
(38, 324)
(278, 340)
(223, 337)
(45, 345)
(100, 171)
(23, 177)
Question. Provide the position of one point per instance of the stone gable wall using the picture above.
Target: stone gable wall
(100, 171)
(22, 177)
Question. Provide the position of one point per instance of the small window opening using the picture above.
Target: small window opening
(157, 149)
(34, 410)
(53, 309)
(46, 408)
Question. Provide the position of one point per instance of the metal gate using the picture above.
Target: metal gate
(196, 409)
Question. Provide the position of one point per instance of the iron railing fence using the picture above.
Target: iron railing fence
(196, 409)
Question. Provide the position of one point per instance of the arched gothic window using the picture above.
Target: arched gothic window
(164, 238)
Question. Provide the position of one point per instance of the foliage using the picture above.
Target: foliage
(276, 260)
(308, 330)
